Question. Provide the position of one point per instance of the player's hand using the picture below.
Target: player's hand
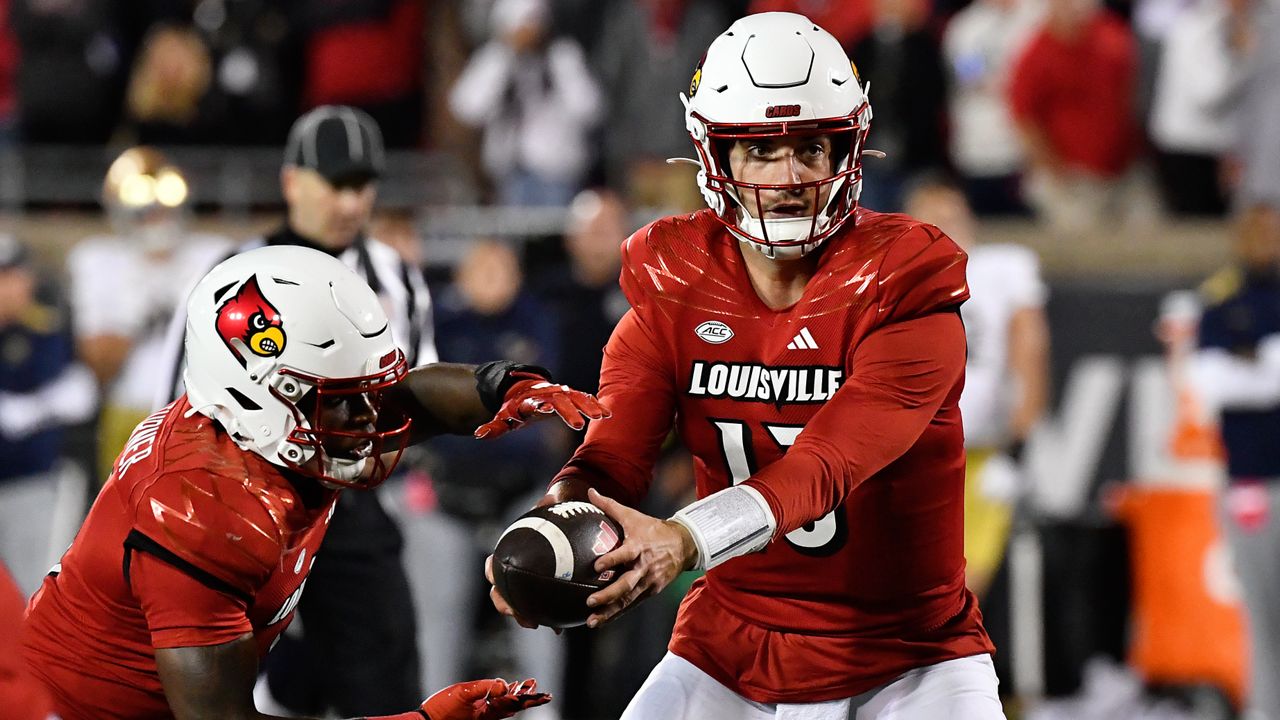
(653, 552)
(484, 700)
(500, 603)
(536, 396)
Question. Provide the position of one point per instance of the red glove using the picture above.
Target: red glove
(484, 700)
(535, 395)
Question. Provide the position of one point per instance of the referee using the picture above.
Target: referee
(352, 646)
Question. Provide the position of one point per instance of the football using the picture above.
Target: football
(543, 563)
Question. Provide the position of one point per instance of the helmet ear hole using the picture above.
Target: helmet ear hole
(244, 400)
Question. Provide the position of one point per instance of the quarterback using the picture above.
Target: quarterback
(810, 354)
(193, 558)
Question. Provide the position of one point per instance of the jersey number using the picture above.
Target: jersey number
(820, 538)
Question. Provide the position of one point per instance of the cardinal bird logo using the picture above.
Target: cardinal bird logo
(248, 317)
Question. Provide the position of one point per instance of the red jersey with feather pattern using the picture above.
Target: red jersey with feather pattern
(842, 410)
(192, 542)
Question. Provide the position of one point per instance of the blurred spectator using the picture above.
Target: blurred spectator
(170, 77)
(124, 287)
(536, 99)
(366, 54)
(9, 62)
(214, 72)
(584, 294)
(1258, 145)
(479, 488)
(1191, 125)
(21, 695)
(42, 390)
(980, 45)
(71, 77)
(645, 49)
(903, 63)
(848, 20)
(1072, 93)
(1236, 372)
(1006, 390)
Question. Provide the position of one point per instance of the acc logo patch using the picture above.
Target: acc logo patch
(250, 318)
(714, 332)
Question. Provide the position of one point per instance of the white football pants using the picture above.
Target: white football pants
(962, 689)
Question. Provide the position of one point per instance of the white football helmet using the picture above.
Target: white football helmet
(770, 75)
(272, 334)
(147, 198)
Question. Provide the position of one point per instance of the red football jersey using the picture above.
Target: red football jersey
(192, 542)
(858, 384)
(21, 696)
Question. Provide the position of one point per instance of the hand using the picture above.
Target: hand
(534, 396)
(655, 552)
(484, 700)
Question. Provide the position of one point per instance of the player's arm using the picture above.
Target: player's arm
(487, 400)
(1029, 365)
(216, 683)
(617, 456)
(901, 375)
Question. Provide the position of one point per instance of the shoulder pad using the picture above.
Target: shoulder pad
(664, 258)
(215, 523)
(923, 271)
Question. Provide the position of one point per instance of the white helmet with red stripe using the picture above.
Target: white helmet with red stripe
(776, 75)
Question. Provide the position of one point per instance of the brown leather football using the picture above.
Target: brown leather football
(543, 565)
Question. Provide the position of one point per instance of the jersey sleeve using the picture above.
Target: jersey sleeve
(900, 376)
(210, 528)
(182, 611)
(618, 455)
(923, 272)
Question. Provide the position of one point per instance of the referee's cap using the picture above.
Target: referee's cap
(341, 143)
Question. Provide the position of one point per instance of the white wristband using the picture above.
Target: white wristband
(726, 524)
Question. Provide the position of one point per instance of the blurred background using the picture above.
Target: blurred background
(1113, 167)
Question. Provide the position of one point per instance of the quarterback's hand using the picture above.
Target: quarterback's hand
(535, 395)
(484, 700)
(653, 552)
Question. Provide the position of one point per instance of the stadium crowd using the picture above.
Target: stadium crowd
(1074, 118)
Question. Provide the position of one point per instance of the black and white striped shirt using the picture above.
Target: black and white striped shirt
(397, 283)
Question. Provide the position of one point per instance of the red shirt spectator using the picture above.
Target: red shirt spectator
(1073, 87)
(368, 54)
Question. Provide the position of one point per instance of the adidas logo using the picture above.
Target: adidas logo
(803, 341)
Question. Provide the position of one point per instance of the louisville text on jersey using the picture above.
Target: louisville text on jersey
(762, 383)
